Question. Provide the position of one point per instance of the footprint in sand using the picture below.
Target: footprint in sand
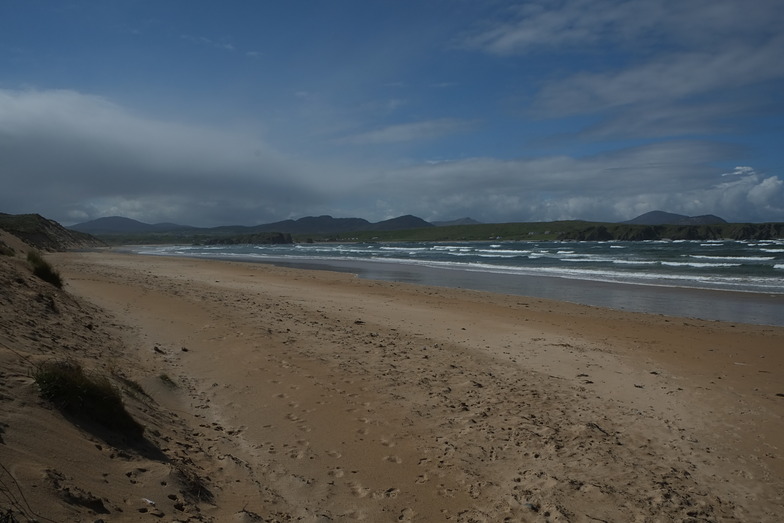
(389, 493)
(334, 454)
(359, 491)
(337, 473)
(407, 514)
(422, 478)
(393, 459)
(446, 492)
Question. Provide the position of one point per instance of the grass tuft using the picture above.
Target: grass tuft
(168, 381)
(44, 270)
(89, 397)
(5, 250)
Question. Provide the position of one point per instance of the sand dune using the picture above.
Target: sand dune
(286, 395)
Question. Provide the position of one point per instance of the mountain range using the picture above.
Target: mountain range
(117, 225)
(49, 235)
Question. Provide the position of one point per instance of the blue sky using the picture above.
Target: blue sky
(213, 113)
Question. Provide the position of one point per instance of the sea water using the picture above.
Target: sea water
(668, 277)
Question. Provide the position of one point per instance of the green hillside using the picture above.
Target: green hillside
(565, 230)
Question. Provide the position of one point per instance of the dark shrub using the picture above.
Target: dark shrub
(43, 269)
(91, 398)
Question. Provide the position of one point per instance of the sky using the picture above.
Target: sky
(246, 112)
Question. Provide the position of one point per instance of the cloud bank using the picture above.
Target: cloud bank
(78, 157)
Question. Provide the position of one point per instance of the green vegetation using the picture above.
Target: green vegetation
(44, 270)
(260, 238)
(562, 230)
(720, 231)
(44, 234)
(89, 397)
(478, 232)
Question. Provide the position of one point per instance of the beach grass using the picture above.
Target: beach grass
(44, 269)
(85, 395)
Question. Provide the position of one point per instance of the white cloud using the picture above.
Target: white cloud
(740, 170)
(675, 176)
(648, 68)
(408, 132)
(671, 78)
(633, 25)
(538, 25)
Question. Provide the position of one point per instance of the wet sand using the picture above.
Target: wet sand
(706, 304)
(320, 396)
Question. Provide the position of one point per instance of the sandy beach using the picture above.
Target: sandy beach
(278, 394)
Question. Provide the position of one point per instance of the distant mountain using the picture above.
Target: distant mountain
(315, 225)
(121, 225)
(460, 221)
(329, 225)
(117, 225)
(668, 218)
(400, 223)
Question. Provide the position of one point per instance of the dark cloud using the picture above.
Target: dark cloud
(82, 156)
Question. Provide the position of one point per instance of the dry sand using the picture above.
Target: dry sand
(274, 394)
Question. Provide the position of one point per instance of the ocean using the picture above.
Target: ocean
(741, 281)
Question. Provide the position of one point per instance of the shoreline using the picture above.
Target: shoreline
(684, 302)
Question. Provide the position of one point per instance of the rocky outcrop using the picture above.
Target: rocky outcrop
(628, 232)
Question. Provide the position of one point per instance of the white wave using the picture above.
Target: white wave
(462, 261)
(637, 277)
(502, 251)
(635, 262)
(700, 265)
(404, 249)
(590, 259)
(732, 258)
(772, 250)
